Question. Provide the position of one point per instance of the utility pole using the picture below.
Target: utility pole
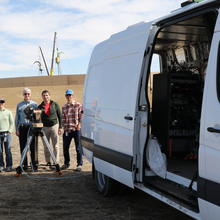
(45, 64)
(54, 42)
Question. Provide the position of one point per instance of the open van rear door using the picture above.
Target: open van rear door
(111, 92)
(209, 150)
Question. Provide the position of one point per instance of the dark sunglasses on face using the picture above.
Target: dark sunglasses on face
(68, 95)
(26, 93)
(2, 102)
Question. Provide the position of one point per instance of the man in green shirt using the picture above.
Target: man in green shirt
(6, 127)
(51, 119)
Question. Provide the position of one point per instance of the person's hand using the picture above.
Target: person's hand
(17, 133)
(60, 131)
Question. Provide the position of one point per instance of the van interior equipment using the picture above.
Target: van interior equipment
(183, 47)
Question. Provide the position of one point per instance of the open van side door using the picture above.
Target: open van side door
(209, 150)
(115, 70)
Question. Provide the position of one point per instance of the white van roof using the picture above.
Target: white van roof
(100, 50)
(186, 9)
(176, 12)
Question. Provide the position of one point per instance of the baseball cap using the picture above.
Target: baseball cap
(2, 100)
(69, 92)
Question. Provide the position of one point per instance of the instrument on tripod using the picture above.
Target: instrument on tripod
(34, 115)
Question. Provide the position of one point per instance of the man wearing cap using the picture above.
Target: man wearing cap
(6, 127)
(71, 122)
(51, 119)
(23, 124)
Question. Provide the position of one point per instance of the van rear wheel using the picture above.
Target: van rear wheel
(104, 184)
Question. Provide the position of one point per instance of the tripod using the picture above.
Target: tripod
(35, 132)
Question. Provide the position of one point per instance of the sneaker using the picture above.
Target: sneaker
(8, 169)
(48, 164)
(1, 169)
(78, 168)
(65, 166)
(25, 167)
(35, 168)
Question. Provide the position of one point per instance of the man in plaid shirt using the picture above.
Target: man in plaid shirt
(71, 122)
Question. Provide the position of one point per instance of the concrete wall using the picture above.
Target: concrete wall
(11, 88)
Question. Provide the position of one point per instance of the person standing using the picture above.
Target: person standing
(51, 119)
(71, 121)
(23, 125)
(6, 128)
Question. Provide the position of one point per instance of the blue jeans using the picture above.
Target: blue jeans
(5, 143)
(67, 137)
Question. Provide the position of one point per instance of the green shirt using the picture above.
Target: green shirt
(6, 120)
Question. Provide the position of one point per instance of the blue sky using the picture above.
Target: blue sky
(80, 25)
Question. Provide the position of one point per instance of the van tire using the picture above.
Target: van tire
(104, 184)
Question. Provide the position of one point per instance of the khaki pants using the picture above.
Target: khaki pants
(51, 133)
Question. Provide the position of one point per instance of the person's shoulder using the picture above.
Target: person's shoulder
(8, 111)
(41, 104)
(20, 103)
(53, 102)
(33, 102)
(77, 104)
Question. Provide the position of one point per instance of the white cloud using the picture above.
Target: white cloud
(7, 67)
(109, 16)
(79, 24)
(100, 7)
(16, 56)
(35, 24)
(104, 17)
(4, 5)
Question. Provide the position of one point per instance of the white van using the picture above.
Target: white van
(159, 132)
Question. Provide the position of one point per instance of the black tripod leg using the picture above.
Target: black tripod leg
(23, 156)
(36, 150)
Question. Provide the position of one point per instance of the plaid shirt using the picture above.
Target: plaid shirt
(71, 116)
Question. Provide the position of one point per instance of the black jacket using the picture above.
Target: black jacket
(54, 117)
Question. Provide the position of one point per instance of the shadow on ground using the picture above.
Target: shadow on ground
(46, 195)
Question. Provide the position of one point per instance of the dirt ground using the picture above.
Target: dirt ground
(46, 195)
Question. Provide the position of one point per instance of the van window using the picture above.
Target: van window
(155, 68)
(155, 64)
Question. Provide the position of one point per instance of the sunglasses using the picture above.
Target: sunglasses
(68, 95)
(1, 102)
(26, 93)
